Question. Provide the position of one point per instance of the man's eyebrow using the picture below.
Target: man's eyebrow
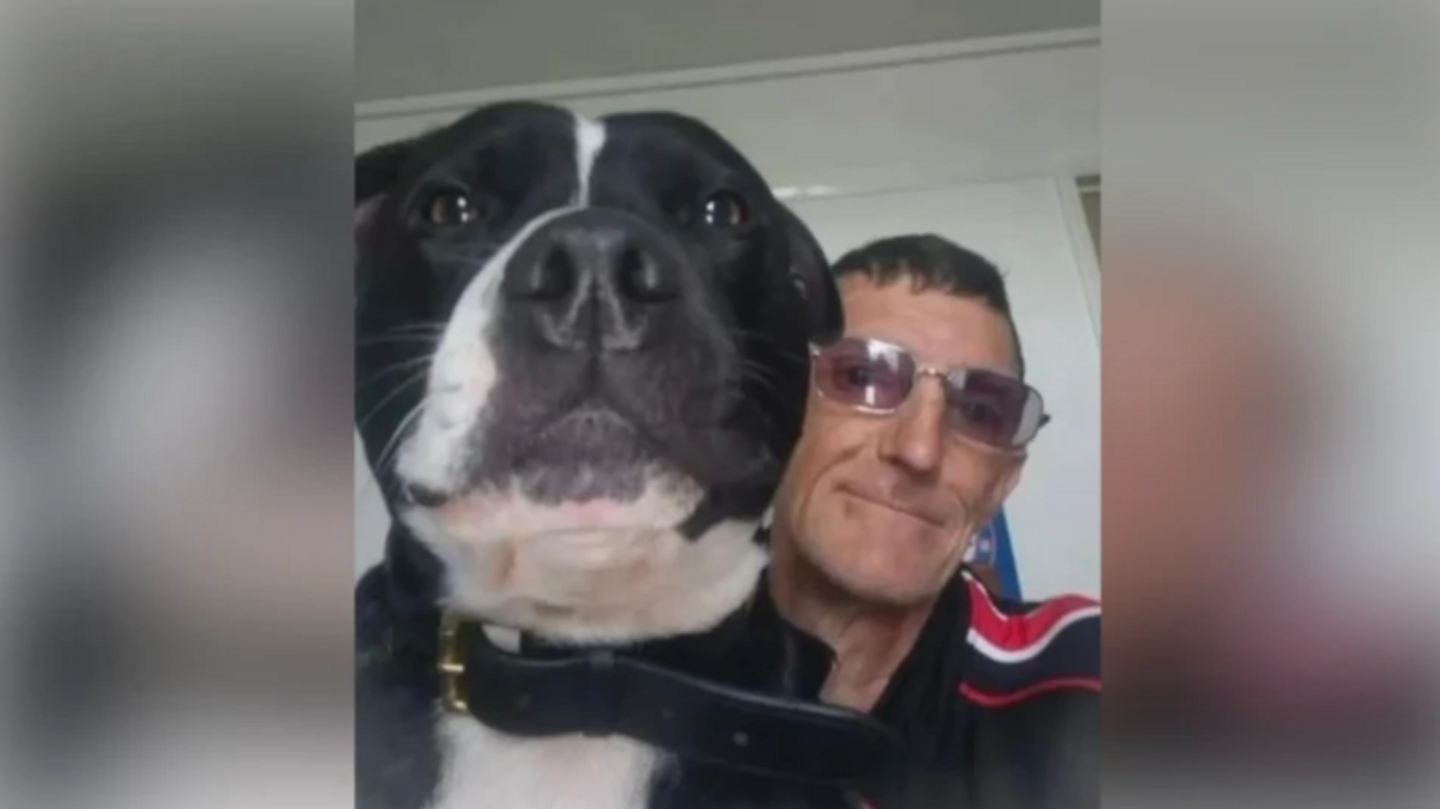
(1004, 368)
(1006, 371)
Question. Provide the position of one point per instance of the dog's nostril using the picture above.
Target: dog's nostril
(640, 279)
(553, 278)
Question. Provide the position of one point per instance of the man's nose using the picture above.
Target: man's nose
(594, 281)
(915, 436)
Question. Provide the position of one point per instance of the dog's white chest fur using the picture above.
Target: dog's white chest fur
(485, 769)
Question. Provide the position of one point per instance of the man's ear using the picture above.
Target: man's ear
(810, 273)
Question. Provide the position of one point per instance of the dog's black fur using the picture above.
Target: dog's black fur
(661, 323)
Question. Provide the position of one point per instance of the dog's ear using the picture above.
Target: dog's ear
(810, 272)
(377, 170)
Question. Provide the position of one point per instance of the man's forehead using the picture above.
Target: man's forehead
(941, 329)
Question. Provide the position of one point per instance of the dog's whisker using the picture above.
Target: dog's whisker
(473, 257)
(427, 328)
(780, 351)
(760, 372)
(768, 385)
(397, 338)
(399, 389)
(766, 419)
(383, 460)
(399, 366)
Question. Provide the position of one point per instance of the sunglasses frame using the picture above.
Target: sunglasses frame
(921, 371)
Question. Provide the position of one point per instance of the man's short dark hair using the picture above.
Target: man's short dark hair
(932, 262)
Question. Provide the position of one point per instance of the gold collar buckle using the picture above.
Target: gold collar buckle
(451, 664)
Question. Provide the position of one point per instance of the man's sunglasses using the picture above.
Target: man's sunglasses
(877, 377)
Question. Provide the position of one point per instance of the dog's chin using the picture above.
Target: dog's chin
(589, 454)
(590, 569)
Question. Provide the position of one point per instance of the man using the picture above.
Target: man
(915, 433)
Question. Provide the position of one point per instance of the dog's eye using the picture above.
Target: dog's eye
(450, 208)
(726, 209)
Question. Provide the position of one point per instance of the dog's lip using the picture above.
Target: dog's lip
(874, 498)
(424, 496)
(599, 413)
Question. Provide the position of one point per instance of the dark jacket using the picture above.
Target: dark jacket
(998, 706)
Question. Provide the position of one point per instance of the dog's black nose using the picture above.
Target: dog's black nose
(593, 280)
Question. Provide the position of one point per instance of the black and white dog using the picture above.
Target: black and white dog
(581, 365)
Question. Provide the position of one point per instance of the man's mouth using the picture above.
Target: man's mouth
(876, 499)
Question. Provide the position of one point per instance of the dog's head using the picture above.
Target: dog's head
(582, 362)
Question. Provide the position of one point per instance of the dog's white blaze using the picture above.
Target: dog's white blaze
(598, 572)
(462, 376)
(589, 139)
(486, 769)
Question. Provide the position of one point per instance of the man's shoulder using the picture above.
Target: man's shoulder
(1023, 651)
(1020, 722)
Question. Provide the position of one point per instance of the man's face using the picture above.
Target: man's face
(885, 505)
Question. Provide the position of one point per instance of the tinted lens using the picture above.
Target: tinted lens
(993, 408)
(864, 374)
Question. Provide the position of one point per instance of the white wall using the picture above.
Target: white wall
(932, 115)
(964, 140)
(409, 49)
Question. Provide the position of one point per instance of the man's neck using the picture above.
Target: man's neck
(869, 640)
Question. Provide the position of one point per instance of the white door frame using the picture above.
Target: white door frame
(1082, 241)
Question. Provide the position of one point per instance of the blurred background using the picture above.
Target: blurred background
(978, 121)
(182, 503)
(1270, 456)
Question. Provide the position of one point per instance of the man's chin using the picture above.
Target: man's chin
(889, 587)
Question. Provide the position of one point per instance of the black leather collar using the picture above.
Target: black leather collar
(607, 691)
(743, 695)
